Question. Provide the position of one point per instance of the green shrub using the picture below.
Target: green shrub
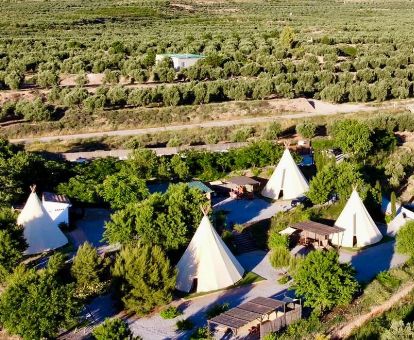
(279, 257)
(201, 333)
(276, 240)
(170, 313)
(113, 329)
(184, 325)
(387, 280)
(405, 237)
(283, 279)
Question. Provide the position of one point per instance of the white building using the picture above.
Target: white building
(207, 264)
(57, 207)
(287, 181)
(180, 60)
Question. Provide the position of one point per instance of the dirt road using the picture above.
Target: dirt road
(320, 109)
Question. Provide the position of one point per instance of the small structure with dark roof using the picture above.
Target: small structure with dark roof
(257, 317)
(243, 185)
(317, 232)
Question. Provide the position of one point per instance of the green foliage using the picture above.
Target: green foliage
(122, 188)
(184, 325)
(285, 218)
(306, 129)
(113, 329)
(337, 178)
(352, 137)
(217, 309)
(273, 131)
(201, 333)
(404, 239)
(323, 281)
(283, 279)
(277, 240)
(398, 330)
(168, 220)
(287, 37)
(36, 305)
(12, 242)
(145, 277)
(279, 257)
(170, 313)
(86, 269)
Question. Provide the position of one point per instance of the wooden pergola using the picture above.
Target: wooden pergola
(317, 231)
(249, 314)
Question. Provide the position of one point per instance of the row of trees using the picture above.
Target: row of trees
(119, 183)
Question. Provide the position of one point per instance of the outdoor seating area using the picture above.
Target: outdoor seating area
(243, 187)
(310, 233)
(257, 317)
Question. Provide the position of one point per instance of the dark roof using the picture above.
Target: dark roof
(200, 186)
(52, 197)
(242, 180)
(317, 228)
(247, 312)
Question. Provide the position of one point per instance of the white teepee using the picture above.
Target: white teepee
(360, 229)
(287, 181)
(40, 231)
(209, 261)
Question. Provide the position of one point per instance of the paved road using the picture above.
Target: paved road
(242, 211)
(369, 262)
(208, 124)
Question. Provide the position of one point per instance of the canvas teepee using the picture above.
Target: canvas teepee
(287, 181)
(360, 229)
(40, 232)
(207, 262)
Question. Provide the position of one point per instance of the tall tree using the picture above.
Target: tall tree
(12, 242)
(36, 305)
(121, 188)
(86, 269)
(323, 281)
(168, 220)
(145, 277)
(352, 137)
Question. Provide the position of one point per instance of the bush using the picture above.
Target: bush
(283, 279)
(201, 333)
(184, 325)
(113, 329)
(306, 129)
(279, 257)
(170, 313)
(216, 310)
(276, 240)
(405, 239)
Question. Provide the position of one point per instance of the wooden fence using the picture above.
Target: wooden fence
(281, 322)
